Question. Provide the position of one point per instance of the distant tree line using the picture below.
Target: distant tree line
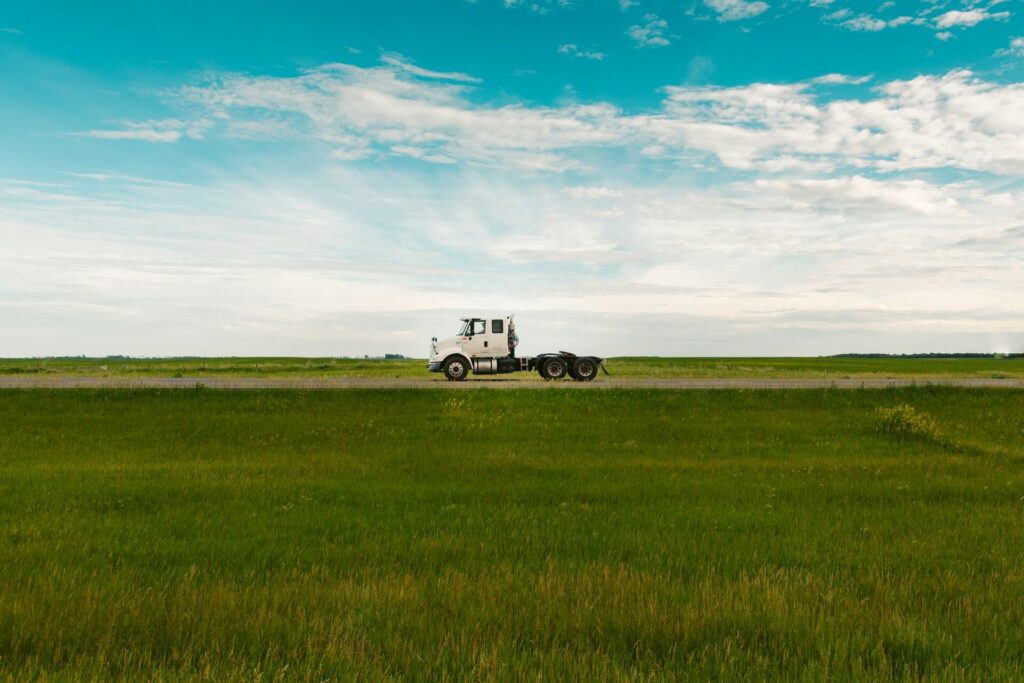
(929, 355)
(386, 356)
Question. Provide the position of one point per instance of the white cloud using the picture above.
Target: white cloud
(865, 23)
(593, 192)
(869, 23)
(573, 50)
(538, 6)
(734, 10)
(162, 130)
(967, 18)
(421, 153)
(944, 36)
(258, 129)
(128, 180)
(361, 112)
(841, 79)
(402, 64)
(651, 33)
(957, 120)
(859, 192)
(1015, 49)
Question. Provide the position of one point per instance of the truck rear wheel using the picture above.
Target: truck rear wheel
(555, 369)
(456, 369)
(584, 369)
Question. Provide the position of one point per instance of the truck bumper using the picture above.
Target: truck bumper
(434, 366)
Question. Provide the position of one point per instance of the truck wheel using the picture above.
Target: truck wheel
(555, 368)
(455, 369)
(584, 369)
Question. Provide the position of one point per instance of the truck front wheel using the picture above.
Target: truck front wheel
(456, 369)
(555, 369)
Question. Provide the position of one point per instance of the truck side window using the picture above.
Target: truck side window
(497, 326)
(479, 326)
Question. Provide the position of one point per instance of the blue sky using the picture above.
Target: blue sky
(716, 177)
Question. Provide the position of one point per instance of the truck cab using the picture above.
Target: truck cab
(485, 337)
(477, 345)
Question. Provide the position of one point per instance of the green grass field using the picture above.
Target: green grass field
(425, 535)
(636, 367)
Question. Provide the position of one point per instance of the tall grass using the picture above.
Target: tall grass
(505, 535)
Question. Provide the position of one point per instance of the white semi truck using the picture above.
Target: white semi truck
(487, 346)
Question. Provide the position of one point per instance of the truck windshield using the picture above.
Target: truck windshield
(471, 327)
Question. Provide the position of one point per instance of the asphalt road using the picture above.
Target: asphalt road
(81, 382)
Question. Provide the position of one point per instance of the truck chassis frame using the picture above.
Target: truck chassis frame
(550, 366)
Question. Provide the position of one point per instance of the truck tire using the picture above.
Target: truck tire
(584, 369)
(555, 368)
(456, 369)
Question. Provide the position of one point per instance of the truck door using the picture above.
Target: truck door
(497, 338)
(476, 343)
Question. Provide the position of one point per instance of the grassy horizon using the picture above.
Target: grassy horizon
(425, 535)
(651, 367)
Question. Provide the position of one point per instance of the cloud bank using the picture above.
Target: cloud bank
(956, 120)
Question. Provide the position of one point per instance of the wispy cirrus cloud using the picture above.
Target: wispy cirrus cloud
(399, 62)
(155, 130)
(272, 261)
(1014, 49)
(538, 6)
(573, 50)
(359, 112)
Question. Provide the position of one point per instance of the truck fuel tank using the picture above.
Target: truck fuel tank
(485, 366)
